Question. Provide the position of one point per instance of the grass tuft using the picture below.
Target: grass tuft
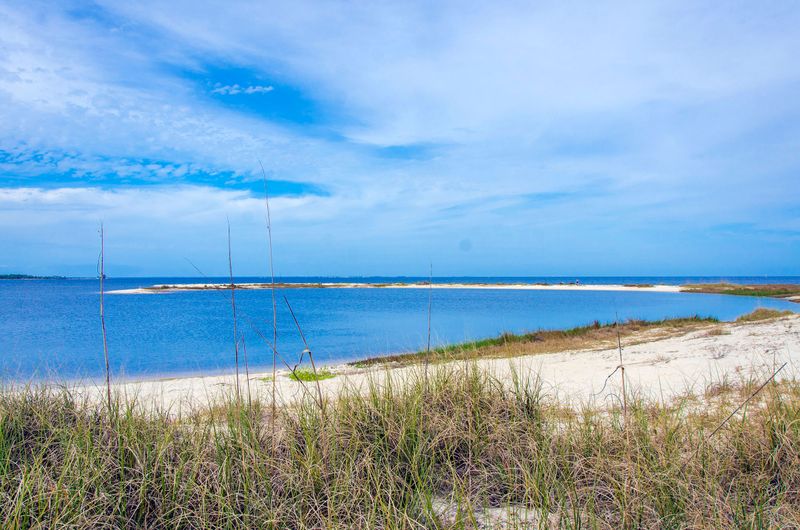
(763, 314)
(308, 375)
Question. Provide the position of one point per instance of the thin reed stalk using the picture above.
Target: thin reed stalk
(102, 313)
(310, 355)
(292, 369)
(247, 373)
(625, 421)
(622, 376)
(255, 328)
(233, 310)
(430, 307)
(272, 290)
(736, 410)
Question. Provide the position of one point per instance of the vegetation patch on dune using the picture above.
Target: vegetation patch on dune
(763, 313)
(307, 374)
(769, 290)
(595, 335)
(451, 450)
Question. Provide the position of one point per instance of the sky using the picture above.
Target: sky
(496, 138)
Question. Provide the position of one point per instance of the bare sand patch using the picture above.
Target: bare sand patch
(689, 362)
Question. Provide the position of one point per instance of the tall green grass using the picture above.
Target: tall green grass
(462, 451)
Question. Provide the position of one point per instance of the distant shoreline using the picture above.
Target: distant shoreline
(175, 288)
(787, 292)
(29, 277)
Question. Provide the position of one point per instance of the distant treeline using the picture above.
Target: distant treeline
(29, 277)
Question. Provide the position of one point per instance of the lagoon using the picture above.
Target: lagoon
(50, 329)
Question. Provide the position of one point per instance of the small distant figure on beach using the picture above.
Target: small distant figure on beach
(577, 282)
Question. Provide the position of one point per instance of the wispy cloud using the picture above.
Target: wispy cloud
(232, 90)
(646, 125)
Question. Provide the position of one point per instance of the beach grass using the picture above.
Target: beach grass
(457, 449)
(763, 313)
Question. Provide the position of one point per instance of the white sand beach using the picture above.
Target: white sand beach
(662, 368)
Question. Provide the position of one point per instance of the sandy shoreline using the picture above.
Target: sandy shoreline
(661, 369)
(174, 288)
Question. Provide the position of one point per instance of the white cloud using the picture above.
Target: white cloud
(232, 90)
(401, 67)
(673, 114)
(71, 94)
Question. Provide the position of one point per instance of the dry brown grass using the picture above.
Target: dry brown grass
(763, 314)
(769, 290)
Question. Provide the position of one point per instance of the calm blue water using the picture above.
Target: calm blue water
(51, 328)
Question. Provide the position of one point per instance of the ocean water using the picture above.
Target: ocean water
(50, 329)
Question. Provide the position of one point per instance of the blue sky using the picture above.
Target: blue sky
(497, 138)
